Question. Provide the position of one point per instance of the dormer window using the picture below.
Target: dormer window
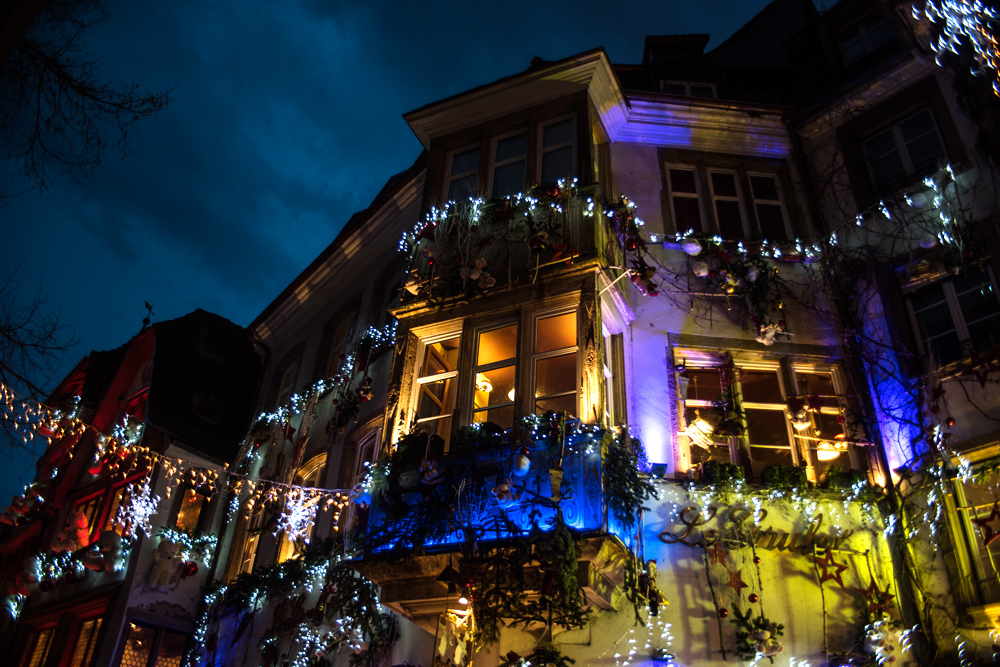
(864, 38)
(510, 161)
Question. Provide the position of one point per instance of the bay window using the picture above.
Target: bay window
(524, 364)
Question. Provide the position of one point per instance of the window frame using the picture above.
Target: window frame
(954, 310)
(541, 149)
(159, 629)
(696, 195)
(494, 163)
(450, 177)
(739, 198)
(524, 361)
(893, 126)
(688, 85)
(802, 449)
(862, 29)
(782, 205)
(449, 333)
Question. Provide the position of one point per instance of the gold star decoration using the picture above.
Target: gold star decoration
(718, 553)
(989, 534)
(826, 563)
(878, 600)
(735, 580)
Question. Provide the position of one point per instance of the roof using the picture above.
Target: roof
(761, 41)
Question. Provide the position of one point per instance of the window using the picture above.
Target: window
(909, 148)
(555, 367)
(286, 382)
(307, 476)
(864, 38)
(743, 204)
(436, 385)
(342, 330)
(956, 316)
(492, 380)
(190, 509)
(682, 186)
(253, 528)
(86, 643)
(768, 207)
(688, 88)
(754, 415)
(152, 646)
(463, 178)
(37, 649)
(510, 159)
(557, 151)
(495, 374)
(726, 202)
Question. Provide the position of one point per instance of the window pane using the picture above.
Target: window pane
(927, 296)
(557, 133)
(730, 221)
(883, 154)
(723, 185)
(760, 387)
(555, 375)
(38, 650)
(138, 646)
(682, 180)
(817, 384)
(555, 333)
(879, 32)
(497, 345)
(502, 417)
(935, 321)
(191, 506)
(713, 453)
(436, 398)
(465, 161)
(853, 45)
(674, 89)
(441, 357)
(557, 164)
(86, 642)
(686, 214)
(767, 427)
(762, 456)
(461, 189)
(171, 650)
(772, 222)
(494, 387)
(945, 348)
(702, 91)
(984, 334)
(508, 179)
(559, 404)
(828, 426)
(764, 187)
(703, 384)
(512, 147)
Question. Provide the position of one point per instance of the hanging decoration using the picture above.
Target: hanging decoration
(965, 22)
(827, 563)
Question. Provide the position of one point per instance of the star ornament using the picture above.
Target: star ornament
(736, 580)
(878, 600)
(718, 553)
(827, 563)
(989, 534)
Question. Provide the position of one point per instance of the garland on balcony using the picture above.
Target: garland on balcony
(346, 614)
(467, 247)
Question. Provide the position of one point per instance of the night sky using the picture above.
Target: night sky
(286, 118)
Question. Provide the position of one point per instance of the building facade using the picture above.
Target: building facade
(686, 361)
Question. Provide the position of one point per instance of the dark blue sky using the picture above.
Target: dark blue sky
(285, 119)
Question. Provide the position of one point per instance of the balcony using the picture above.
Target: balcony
(438, 522)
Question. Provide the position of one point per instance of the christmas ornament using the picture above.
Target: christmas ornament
(691, 247)
(753, 597)
(878, 600)
(827, 563)
(700, 269)
(735, 580)
(718, 553)
(190, 568)
(723, 612)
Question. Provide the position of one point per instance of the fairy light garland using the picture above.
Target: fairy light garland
(965, 22)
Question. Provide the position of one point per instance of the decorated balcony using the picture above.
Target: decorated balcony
(548, 507)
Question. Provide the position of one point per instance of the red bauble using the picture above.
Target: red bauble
(951, 421)
(631, 244)
(190, 568)
(756, 560)
(723, 612)
(458, 259)
(430, 262)
(840, 419)
(753, 597)
(525, 451)
(474, 228)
